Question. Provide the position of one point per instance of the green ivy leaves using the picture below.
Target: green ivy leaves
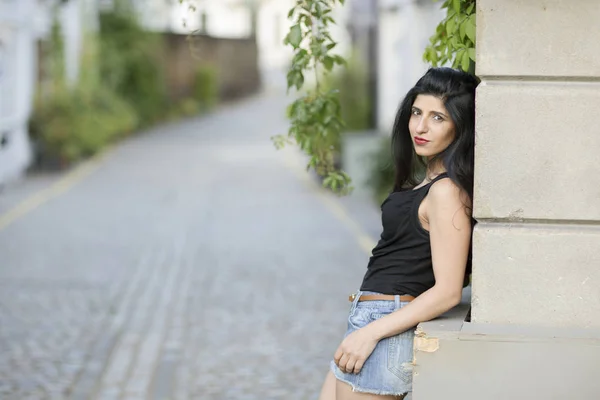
(315, 118)
(295, 36)
(454, 39)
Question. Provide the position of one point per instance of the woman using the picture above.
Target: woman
(418, 268)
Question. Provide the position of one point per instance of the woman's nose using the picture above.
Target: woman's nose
(422, 126)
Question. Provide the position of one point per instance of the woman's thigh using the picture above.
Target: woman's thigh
(343, 391)
(328, 389)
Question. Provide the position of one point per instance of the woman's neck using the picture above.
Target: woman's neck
(433, 170)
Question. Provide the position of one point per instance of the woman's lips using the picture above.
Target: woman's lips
(421, 141)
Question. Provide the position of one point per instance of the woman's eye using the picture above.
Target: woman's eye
(415, 112)
(438, 118)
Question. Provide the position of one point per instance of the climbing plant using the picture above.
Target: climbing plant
(454, 38)
(315, 117)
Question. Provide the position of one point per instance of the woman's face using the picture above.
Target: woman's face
(430, 126)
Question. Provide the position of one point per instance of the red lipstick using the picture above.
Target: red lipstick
(420, 141)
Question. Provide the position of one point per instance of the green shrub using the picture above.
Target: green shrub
(382, 171)
(355, 97)
(188, 107)
(130, 63)
(73, 124)
(206, 87)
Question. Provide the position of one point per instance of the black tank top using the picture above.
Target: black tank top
(401, 261)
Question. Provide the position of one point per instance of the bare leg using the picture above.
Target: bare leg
(343, 391)
(328, 389)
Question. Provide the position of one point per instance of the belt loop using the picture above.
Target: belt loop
(397, 299)
(355, 301)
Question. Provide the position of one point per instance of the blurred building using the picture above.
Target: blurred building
(17, 75)
(389, 37)
(405, 27)
(23, 23)
(220, 19)
(273, 26)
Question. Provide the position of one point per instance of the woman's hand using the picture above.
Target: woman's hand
(354, 351)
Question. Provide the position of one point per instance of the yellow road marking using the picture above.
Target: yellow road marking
(43, 196)
(294, 163)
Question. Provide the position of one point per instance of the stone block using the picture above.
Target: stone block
(495, 362)
(536, 274)
(538, 38)
(537, 149)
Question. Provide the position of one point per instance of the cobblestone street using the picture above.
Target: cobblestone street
(194, 261)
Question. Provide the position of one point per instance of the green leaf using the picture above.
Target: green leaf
(305, 20)
(433, 57)
(463, 30)
(328, 62)
(454, 43)
(291, 13)
(457, 58)
(318, 11)
(471, 53)
(456, 6)
(299, 80)
(465, 61)
(295, 36)
(335, 183)
(470, 27)
(339, 60)
(470, 8)
(291, 78)
(450, 26)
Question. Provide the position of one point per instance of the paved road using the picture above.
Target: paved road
(192, 262)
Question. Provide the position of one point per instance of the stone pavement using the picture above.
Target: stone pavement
(193, 262)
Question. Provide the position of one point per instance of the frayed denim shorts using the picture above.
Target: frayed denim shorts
(388, 370)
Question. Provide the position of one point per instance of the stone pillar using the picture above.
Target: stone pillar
(537, 180)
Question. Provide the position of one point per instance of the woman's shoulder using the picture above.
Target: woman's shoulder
(446, 191)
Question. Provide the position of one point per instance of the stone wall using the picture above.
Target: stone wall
(236, 61)
(537, 186)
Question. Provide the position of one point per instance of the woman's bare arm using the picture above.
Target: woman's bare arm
(450, 236)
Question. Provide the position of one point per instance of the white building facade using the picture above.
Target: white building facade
(22, 24)
(221, 18)
(18, 62)
(405, 27)
(273, 26)
(234, 19)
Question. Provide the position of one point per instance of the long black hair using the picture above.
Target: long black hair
(457, 90)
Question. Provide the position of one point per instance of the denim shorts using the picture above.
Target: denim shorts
(388, 370)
